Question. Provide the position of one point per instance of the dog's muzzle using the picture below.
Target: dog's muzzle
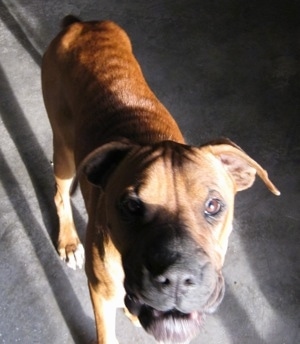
(171, 305)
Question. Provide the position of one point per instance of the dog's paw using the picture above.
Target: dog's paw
(73, 257)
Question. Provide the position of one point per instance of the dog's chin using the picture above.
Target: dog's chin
(166, 327)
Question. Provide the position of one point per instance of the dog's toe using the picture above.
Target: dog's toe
(74, 258)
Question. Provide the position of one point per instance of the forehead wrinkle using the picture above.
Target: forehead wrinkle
(175, 167)
(145, 157)
(174, 173)
(159, 182)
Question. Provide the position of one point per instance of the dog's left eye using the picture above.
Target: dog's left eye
(213, 206)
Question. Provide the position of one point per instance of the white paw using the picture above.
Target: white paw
(74, 259)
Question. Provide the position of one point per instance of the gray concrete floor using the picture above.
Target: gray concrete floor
(223, 68)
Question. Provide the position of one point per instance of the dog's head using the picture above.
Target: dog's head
(169, 211)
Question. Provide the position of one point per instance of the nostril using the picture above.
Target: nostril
(176, 279)
(163, 280)
(166, 282)
(188, 282)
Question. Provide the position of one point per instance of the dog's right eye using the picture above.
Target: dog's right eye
(132, 206)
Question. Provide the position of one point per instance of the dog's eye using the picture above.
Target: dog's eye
(132, 206)
(213, 206)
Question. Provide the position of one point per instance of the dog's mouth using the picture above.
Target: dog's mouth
(172, 326)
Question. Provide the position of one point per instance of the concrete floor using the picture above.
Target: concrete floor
(223, 68)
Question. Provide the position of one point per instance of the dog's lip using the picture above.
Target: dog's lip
(195, 315)
(171, 326)
(134, 305)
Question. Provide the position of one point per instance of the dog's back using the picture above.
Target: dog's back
(96, 64)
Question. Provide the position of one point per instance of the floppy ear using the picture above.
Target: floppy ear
(239, 165)
(100, 163)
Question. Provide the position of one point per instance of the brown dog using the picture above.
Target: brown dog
(160, 212)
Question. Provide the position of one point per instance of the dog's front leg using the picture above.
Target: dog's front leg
(105, 279)
(69, 246)
(105, 316)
